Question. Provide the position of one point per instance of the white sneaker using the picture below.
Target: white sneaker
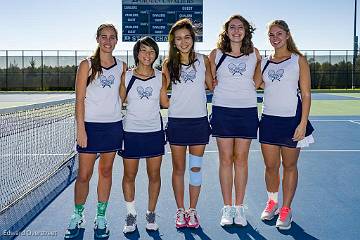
(130, 223)
(239, 218)
(227, 216)
(151, 225)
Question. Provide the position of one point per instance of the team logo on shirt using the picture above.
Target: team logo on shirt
(147, 92)
(188, 76)
(276, 75)
(237, 68)
(107, 81)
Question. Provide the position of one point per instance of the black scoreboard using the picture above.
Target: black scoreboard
(155, 17)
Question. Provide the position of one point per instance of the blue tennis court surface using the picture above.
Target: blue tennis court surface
(325, 205)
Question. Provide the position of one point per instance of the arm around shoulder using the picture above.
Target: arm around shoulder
(165, 72)
(164, 100)
(208, 75)
(122, 83)
(257, 74)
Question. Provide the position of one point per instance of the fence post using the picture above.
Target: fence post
(42, 70)
(58, 66)
(76, 67)
(353, 70)
(347, 69)
(22, 70)
(6, 69)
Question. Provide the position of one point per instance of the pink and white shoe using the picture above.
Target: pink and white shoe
(180, 218)
(270, 210)
(192, 218)
(285, 218)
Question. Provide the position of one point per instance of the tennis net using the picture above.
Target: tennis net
(37, 160)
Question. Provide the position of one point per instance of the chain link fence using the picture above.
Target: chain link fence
(40, 70)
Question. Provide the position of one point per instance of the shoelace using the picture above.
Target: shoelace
(180, 213)
(130, 220)
(192, 215)
(227, 211)
(150, 217)
(101, 222)
(284, 212)
(269, 206)
(240, 210)
(74, 221)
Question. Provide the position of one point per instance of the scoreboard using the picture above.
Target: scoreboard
(154, 18)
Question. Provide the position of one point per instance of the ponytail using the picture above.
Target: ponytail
(96, 69)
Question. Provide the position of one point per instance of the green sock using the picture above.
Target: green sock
(101, 209)
(79, 209)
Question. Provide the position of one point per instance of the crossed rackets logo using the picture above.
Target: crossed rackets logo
(188, 76)
(237, 68)
(147, 92)
(107, 81)
(276, 75)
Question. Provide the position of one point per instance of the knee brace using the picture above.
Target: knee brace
(195, 177)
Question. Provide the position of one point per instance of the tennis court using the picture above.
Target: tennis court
(325, 205)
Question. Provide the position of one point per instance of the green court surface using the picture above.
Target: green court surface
(335, 108)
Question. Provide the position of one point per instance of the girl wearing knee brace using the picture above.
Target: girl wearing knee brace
(188, 126)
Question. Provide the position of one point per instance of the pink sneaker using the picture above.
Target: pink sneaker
(180, 218)
(285, 218)
(270, 210)
(192, 218)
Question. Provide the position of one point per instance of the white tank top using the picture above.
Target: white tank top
(188, 97)
(102, 100)
(236, 87)
(143, 104)
(281, 86)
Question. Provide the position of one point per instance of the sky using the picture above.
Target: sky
(72, 24)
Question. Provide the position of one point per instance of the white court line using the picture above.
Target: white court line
(334, 120)
(302, 150)
(352, 121)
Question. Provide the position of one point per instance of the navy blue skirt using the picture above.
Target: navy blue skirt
(279, 131)
(143, 145)
(102, 137)
(188, 131)
(234, 122)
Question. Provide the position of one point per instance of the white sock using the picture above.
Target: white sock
(130, 206)
(273, 196)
